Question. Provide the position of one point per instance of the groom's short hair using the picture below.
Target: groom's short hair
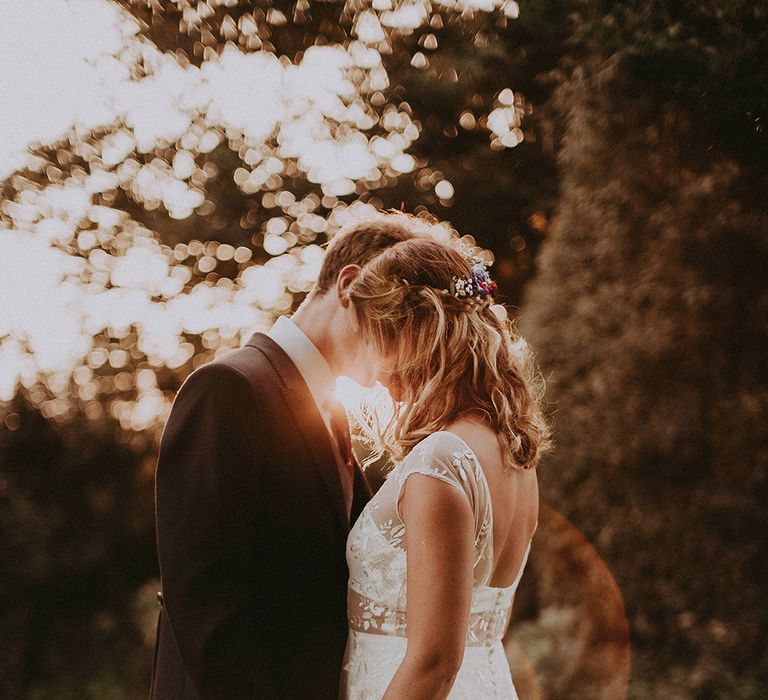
(362, 241)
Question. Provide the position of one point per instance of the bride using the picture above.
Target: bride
(455, 518)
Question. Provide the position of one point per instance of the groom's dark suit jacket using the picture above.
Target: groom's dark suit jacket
(251, 533)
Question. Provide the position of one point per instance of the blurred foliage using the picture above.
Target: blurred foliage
(640, 170)
(711, 57)
(76, 512)
(649, 318)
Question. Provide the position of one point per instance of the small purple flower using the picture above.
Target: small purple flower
(477, 286)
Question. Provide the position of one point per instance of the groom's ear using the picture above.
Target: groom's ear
(346, 276)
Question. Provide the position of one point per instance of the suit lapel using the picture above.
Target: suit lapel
(301, 404)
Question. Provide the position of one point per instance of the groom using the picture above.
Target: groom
(255, 490)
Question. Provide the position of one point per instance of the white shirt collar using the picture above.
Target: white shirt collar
(313, 367)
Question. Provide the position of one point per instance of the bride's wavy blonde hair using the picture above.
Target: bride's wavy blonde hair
(450, 357)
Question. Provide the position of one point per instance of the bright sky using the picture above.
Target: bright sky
(58, 70)
(55, 69)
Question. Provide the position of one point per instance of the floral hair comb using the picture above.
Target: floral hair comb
(477, 287)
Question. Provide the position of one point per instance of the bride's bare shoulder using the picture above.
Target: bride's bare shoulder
(484, 441)
(481, 438)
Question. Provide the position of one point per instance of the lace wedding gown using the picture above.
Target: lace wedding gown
(376, 604)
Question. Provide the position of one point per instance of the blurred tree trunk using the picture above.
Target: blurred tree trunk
(648, 315)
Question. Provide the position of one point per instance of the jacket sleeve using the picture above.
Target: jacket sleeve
(211, 454)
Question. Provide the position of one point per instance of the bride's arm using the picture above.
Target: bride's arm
(440, 554)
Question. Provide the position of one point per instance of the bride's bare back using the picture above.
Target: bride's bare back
(514, 500)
